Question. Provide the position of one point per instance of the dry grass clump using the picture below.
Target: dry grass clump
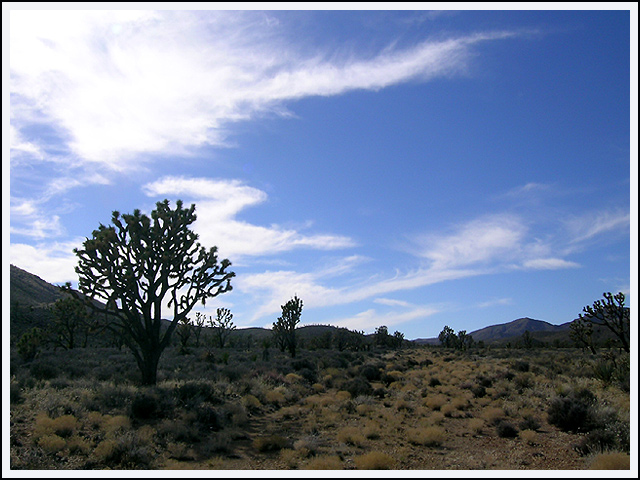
(493, 415)
(270, 443)
(289, 457)
(275, 397)
(435, 402)
(429, 437)
(476, 425)
(529, 436)
(374, 461)
(611, 461)
(324, 462)
(371, 430)
(351, 436)
(251, 403)
(51, 443)
(343, 395)
(63, 426)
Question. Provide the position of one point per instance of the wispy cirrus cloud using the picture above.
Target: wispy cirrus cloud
(593, 224)
(117, 84)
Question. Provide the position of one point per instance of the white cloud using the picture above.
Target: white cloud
(116, 84)
(488, 239)
(54, 263)
(217, 204)
(591, 225)
(549, 264)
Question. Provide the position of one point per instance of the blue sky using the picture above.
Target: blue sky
(405, 168)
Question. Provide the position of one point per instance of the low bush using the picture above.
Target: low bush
(52, 443)
(324, 462)
(374, 461)
(611, 461)
(529, 436)
(351, 436)
(358, 386)
(506, 430)
(574, 412)
(271, 443)
(429, 437)
(41, 370)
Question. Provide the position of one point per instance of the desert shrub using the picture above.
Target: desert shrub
(371, 430)
(604, 370)
(324, 462)
(436, 402)
(52, 443)
(251, 403)
(596, 441)
(573, 412)
(611, 461)
(116, 424)
(371, 372)
(15, 393)
(351, 436)
(180, 451)
(302, 364)
(484, 381)
(476, 425)
(180, 430)
(145, 405)
(275, 397)
(493, 415)
(30, 343)
(529, 436)
(194, 392)
(43, 370)
(358, 386)
(207, 417)
(79, 445)
(59, 383)
(374, 461)
(65, 425)
(111, 397)
(521, 366)
(271, 443)
(529, 422)
(434, 382)
(613, 436)
(506, 429)
(523, 380)
(126, 451)
(307, 446)
(379, 392)
(429, 437)
(478, 391)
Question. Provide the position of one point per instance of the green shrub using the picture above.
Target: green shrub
(43, 370)
(30, 343)
(371, 372)
(574, 412)
(270, 443)
(207, 417)
(194, 392)
(358, 386)
(506, 430)
(145, 405)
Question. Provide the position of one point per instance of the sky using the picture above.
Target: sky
(397, 167)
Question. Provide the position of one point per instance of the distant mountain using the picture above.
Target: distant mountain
(505, 332)
(27, 289)
(515, 329)
(29, 300)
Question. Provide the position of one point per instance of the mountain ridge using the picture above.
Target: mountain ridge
(30, 296)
